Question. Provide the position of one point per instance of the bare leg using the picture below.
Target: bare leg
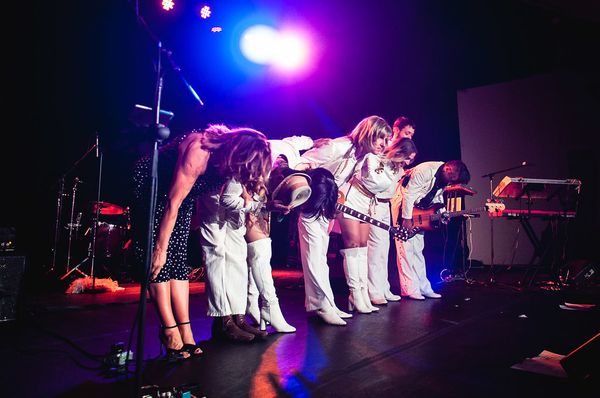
(180, 299)
(161, 294)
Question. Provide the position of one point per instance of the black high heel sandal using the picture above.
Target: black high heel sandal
(173, 355)
(190, 348)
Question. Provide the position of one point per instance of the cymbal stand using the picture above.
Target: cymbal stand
(59, 206)
(71, 225)
(91, 256)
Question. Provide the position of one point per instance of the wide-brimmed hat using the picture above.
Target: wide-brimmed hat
(291, 188)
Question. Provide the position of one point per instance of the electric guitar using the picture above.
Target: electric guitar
(430, 218)
(340, 206)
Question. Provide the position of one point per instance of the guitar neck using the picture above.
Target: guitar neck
(459, 213)
(361, 216)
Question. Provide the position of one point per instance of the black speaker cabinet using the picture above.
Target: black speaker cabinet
(11, 274)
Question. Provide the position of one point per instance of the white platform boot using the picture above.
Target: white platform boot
(363, 269)
(259, 260)
(356, 300)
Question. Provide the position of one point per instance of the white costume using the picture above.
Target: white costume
(369, 192)
(338, 156)
(410, 259)
(260, 281)
(222, 229)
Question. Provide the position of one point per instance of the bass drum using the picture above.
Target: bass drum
(110, 240)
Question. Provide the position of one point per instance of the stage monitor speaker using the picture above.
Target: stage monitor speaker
(11, 275)
(583, 362)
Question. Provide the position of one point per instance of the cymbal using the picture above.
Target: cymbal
(106, 208)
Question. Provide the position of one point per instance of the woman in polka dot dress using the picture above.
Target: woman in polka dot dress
(199, 162)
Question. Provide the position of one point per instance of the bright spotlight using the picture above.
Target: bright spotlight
(292, 52)
(205, 12)
(168, 5)
(259, 44)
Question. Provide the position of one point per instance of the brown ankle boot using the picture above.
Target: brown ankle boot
(225, 328)
(240, 321)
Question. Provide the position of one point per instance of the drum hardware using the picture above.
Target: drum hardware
(71, 224)
(91, 254)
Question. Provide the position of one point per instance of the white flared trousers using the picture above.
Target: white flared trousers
(313, 235)
(411, 266)
(224, 249)
(378, 253)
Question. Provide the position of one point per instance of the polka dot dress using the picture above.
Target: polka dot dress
(176, 267)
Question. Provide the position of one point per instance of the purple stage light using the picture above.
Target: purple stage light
(287, 51)
(292, 52)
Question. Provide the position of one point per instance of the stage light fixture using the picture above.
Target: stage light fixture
(168, 5)
(216, 29)
(205, 12)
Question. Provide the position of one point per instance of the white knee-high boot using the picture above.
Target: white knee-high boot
(353, 278)
(363, 264)
(252, 307)
(259, 260)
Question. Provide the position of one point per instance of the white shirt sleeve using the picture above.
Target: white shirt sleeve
(376, 175)
(419, 181)
(317, 157)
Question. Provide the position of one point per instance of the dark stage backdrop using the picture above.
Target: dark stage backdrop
(550, 122)
(88, 62)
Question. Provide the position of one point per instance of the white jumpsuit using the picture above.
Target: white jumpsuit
(337, 156)
(410, 259)
(222, 229)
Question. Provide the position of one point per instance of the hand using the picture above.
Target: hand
(407, 223)
(277, 205)
(445, 219)
(246, 196)
(159, 259)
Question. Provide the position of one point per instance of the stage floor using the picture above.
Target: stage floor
(462, 345)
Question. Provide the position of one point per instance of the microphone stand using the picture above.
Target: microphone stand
(490, 278)
(161, 133)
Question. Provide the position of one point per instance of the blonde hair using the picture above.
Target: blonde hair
(366, 132)
(241, 153)
(401, 148)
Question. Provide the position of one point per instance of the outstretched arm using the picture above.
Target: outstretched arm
(190, 165)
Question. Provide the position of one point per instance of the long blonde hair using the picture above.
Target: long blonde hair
(241, 153)
(366, 132)
(401, 148)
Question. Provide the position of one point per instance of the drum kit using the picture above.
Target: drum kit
(98, 231)
(106, 236)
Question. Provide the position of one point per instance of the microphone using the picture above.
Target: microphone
(97, 150)
(78, 181)
(526, 163)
